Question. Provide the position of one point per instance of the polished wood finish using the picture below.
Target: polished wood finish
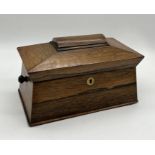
(78, 42)
(83, 103)
(111, 89)
(49, 64)
(26, 89)
(58, 85)
(35, 54)
(60, 88)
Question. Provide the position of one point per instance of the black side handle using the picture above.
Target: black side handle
(22, 79)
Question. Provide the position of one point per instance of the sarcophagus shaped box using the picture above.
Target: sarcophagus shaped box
(71, 76)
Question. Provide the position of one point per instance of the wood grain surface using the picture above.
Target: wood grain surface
(79, 40)
(55, 89)
(58, 85)
(44, 62)
(83, 103)
(26, 92)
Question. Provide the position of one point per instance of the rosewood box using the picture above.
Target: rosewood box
(72, 76)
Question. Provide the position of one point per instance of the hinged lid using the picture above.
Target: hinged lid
(70, 56)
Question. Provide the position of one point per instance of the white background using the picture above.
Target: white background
(130, 122)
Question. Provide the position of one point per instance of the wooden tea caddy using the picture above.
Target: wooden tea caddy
(76, 75)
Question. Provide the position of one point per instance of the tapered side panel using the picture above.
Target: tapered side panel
(26, 92)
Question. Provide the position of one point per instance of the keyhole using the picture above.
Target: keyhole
(90, 81)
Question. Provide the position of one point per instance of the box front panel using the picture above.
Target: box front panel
(67, 87)
(109, 89)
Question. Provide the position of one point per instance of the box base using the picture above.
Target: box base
(70, 116)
